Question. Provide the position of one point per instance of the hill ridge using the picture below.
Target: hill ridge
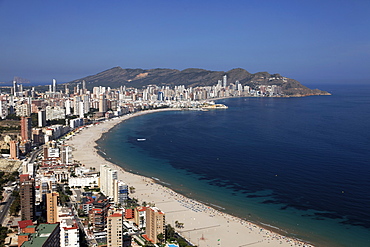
(191, 77)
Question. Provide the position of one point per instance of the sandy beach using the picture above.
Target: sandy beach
(203, 225)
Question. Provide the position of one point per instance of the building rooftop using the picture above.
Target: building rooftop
(42, 234)
(115, 215)
(24, 223)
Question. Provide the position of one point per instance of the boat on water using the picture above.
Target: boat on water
(141, 139)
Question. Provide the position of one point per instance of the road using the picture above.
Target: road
(8, 198)
(4, 208)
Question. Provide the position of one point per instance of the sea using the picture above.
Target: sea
(299, 166)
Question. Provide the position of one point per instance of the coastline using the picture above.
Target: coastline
(203, 225)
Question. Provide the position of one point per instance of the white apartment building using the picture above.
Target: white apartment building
(107, 180)
(120, 192)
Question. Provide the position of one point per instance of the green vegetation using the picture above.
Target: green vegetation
(173, 237)
(56, 121)
(8, 128)
(132, 203)
(3, 234)
(5, 151)
(132, 189)
(16, 205)
(86, 188)
(68, 191)
(63, 196)
(34, 120)
(160, 237)
(13, 117)
(5, 177)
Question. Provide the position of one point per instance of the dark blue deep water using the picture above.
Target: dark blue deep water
(300, 165)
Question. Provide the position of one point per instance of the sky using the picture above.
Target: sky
(326, 41)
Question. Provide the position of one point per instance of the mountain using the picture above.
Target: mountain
(192, 77)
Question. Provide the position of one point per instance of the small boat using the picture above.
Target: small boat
(141, 140)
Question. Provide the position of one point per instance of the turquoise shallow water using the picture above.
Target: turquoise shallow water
(300, 165)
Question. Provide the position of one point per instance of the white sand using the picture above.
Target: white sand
(203, 226)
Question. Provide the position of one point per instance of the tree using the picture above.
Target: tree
(3, 234)
(160, 237)
(80, 212)
(170, 232)
(132, 202)
(16, 205)
(132, 189)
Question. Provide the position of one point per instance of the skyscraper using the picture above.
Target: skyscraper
(41, 118)
(224, 79)
(115, 232)
(76, 105)
(54, 86)
(102, 103)
(27, 196)
(15, 87)
(108, 178)
(66, 89)
(155, 223)
(26, 129)
(120, 192)
(14, 150)
(52, 207)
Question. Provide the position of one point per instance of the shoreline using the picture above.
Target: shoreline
(204, 225)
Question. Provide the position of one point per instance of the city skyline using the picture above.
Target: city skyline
(312, 42)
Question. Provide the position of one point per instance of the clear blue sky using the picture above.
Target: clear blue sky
(311, 41)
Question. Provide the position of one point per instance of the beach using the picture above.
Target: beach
(202, 224)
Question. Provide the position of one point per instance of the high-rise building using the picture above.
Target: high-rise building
(52, 207)
(224, 80)
(23, 110)
(26, 129)
(86, 103)
(67, 105)
(14, 150)
(155, 223)
(98, 215)
(84, 90)
(76, 105)
(140, 219)
(15, 88)
(120, 192)
(37, 136)
(66, 89)
(54, 86)
(66, 154)
(41, 118)
(102, 103)
(69, 233)
(27, 196)
(160, 96)
(108, 177)
(115, 231)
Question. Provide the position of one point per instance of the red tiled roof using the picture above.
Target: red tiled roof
(24, 223)
(146, 237)
(116, 215)
(141, 209)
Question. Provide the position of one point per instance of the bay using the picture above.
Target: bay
(299, 165)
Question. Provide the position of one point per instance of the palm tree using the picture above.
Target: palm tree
(132, 189)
